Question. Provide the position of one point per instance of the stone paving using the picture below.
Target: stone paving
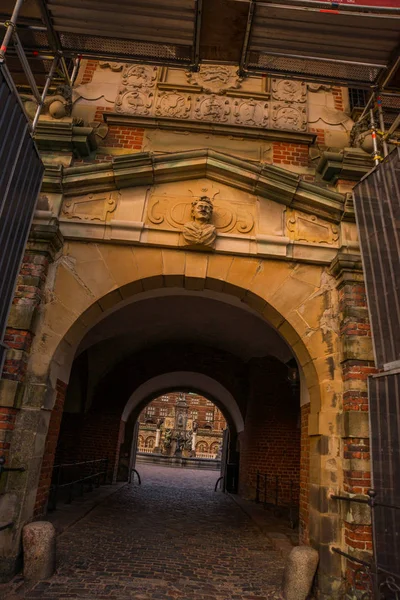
(173, 538)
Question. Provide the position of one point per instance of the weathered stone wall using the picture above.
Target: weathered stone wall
(49, 453)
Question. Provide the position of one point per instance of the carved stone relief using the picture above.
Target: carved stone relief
(136, 94)
(138, 76)
(57, 106)
(172, 104)
(227, 216)
(212, 108)
(288, 90)
(215, 79)
(309, 228)
(211, 100)
(287, 116)
(92, 207)
(134, 102)
(113, 66)
(199, 230)
(251, 113)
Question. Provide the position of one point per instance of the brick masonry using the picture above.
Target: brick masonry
(94, 435)
(271, 440)
(355, 330)
(290, 154)
(27, 297)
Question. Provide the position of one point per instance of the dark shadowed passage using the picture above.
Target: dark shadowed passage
(171, 538)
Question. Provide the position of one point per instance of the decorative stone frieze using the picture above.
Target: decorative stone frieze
(213, 95)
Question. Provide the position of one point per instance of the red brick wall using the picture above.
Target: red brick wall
(304, 476)
(50, 450)
(355, 328)
(270, 442)
(290, 154)
(97, 434)
(27, 297)
(338, 98)
(7, 423)
(127, 137)
(90, 67)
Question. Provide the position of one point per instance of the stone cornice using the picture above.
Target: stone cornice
(64, 136)
(255, 133)
(350, 164)
(146, 169)
(347, 267)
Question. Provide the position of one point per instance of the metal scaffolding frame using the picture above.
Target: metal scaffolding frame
(60, 36)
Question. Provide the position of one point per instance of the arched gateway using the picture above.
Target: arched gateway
(192, 269)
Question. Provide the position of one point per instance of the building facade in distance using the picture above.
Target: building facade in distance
(178, 424)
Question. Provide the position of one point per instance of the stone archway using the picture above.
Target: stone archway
(203, 384)
(280, 293)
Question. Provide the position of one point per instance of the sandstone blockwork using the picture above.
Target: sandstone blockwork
(124, 294)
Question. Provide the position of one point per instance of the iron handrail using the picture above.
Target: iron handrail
(4, 469)
(93, 476)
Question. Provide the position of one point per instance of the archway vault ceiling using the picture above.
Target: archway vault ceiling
(184, 318)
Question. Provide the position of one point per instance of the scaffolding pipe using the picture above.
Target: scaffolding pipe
(75, 70)
(26, 67)
(382, 126)
(376, 156)
(44, 93)
(10, 28)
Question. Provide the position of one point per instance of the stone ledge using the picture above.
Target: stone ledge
(241, 131)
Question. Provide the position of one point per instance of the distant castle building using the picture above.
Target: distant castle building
(186, 425)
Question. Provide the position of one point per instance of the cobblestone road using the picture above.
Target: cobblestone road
(173, 538)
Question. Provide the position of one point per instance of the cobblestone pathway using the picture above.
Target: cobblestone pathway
(173, 538)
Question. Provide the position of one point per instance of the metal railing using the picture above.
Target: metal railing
(72, 478)
(370, 581)
(279, 495)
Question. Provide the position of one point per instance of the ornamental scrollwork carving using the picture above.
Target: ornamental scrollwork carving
(92, 207)
(227, 216)
(215, 79)
(113, 66)
(134, 102)
(212, 108)
(139, 77)
(309, 228)
(172, 104)
(286, 116)
(288, 90)
(251, 113)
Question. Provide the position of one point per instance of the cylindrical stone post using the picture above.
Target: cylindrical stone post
(39, 546)
(299, 573)
(194, 438)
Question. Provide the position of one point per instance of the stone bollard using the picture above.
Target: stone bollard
(299, 573)
(39, 545)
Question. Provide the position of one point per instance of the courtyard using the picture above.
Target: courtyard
(173, 537)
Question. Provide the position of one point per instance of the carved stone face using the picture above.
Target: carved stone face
(202, 210)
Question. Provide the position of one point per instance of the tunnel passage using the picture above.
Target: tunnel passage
(183, 343)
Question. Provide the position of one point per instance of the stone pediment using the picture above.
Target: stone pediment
(256, 209)
(147, 169)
